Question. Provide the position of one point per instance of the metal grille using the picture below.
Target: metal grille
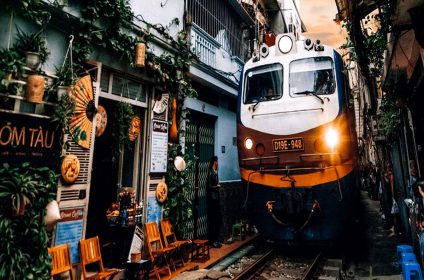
(217, 17)
(66, 195)
(201, 134)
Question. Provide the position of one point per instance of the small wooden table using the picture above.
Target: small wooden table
(201, 251)
(137, 270)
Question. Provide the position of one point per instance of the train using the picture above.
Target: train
(297, 143)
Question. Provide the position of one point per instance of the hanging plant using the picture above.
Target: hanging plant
(62, 114)
(390, 117)
(122, 117)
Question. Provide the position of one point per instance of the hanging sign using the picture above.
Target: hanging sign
(159, 156)
(29, 139)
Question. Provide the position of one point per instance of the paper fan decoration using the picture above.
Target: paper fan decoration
(81, 123)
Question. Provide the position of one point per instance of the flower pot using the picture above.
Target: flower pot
(61, 90)
(35, 88)
(32, 60)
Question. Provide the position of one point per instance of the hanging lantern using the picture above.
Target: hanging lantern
(134, 129)
(140, 51)
(173, 132)
(70, 168)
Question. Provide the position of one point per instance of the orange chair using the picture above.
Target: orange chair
(90, 254)
(170, 239)
(156, 250)
(61, 260)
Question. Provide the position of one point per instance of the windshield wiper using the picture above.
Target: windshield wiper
(309, 92)
(257, 102)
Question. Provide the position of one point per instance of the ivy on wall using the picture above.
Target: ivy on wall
(179, 205)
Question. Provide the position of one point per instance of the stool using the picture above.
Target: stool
(403, 248)
(408, 257)
(237, 232)
(201, 250)
(137, 270)
(411, 270)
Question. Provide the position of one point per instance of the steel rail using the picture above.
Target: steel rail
(250, 270)
(312, 268)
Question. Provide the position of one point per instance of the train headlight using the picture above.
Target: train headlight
(285, 44)
(332, 138)
(248, 143)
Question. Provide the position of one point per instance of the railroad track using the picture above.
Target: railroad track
(267, 263)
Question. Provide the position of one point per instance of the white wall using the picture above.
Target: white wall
(225, 130)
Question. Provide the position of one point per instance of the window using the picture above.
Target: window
(312, 76)
(264, 83)
(117, 86)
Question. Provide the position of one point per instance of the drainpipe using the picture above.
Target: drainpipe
(411, 126)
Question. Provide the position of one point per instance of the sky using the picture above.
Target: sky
(318, 15)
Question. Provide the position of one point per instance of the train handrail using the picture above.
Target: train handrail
(288, 112)
(261, 159)
(320, 155)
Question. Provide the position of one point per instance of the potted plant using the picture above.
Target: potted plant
(11, 64)
(19, 189)
(33, 47)
(24, 254)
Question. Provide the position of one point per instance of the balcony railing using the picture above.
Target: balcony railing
(205, 46)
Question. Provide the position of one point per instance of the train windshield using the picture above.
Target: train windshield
(312, 76)
(264, 83)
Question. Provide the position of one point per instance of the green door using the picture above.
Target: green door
(200, 134)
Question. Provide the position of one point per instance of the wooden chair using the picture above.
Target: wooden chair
(170, 239)
(90, 254)
(157, 252)
(61, 260)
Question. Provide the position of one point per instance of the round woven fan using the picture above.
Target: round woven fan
(81, 123)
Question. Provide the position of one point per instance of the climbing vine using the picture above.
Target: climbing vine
(374, 41)
(390, 117)
(179, 206)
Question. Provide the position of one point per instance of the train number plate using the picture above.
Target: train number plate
(287, 144)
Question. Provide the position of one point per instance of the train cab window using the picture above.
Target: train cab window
(313, 76)
(264, 83)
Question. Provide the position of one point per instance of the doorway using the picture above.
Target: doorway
(201, 134)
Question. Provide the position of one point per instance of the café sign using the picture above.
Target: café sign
(29, 139)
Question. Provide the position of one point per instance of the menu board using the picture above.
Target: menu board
(159, 156)
(69, 230)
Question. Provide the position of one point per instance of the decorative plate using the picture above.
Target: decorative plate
(161, 192)
(101, 121)
(134, 129)
(70, 168)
